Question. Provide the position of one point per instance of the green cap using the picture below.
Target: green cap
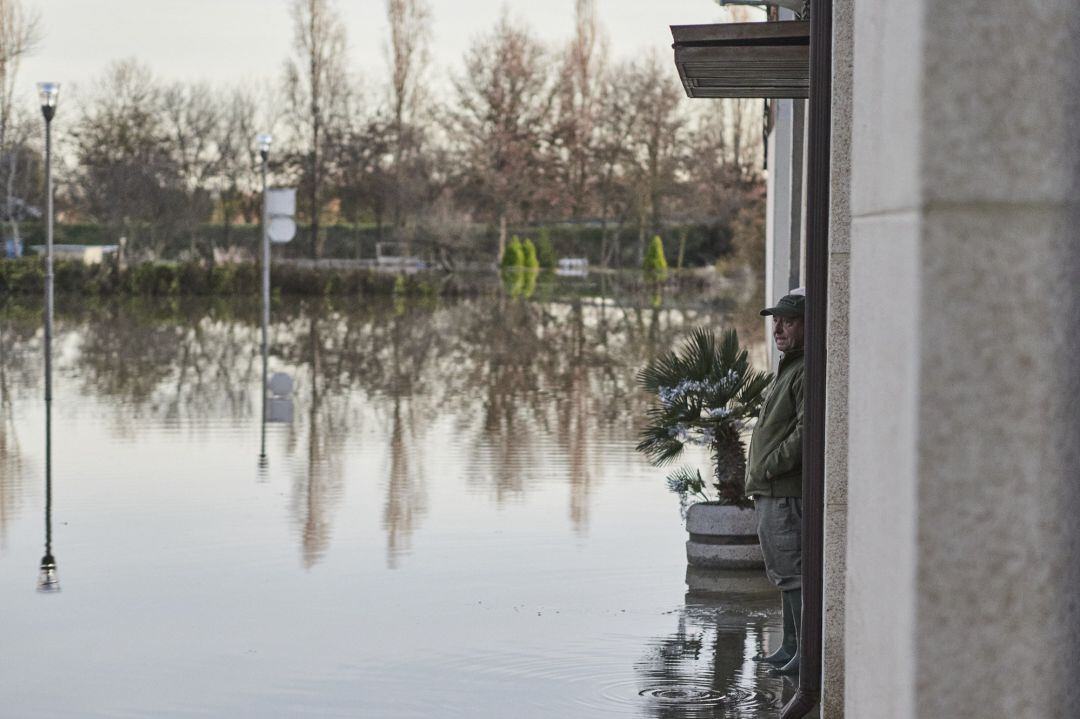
(788, 306)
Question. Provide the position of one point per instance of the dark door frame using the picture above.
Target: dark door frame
(817, 280)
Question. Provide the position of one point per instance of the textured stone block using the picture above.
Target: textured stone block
(887, 103)
(832, 671)
(836, 380)
(714, 519)
(883, 433)
(998, 461)
(725, 556)
(704, 581)
(992, 71)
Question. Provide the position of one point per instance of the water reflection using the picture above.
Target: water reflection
(48, 580)
(704, 668)
(20, 354)
(317, 483)
(522, 392)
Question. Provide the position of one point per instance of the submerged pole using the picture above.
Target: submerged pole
(264, 152)
(49, 93)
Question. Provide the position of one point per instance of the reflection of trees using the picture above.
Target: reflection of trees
(711, 649)
(184, 365)
(527, 392)
(18, 349)
(317, 486)
(406, 499)
(411, 347)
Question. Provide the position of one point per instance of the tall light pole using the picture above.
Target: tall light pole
(49, 93)
(264, 141)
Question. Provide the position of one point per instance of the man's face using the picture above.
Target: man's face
(788, 333)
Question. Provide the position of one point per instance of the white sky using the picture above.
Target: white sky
(234, 41)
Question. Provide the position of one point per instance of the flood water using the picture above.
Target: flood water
(454, 522)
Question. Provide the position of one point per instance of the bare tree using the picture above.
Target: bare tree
(236, 178)
(657, 141)
(316, 84)
(128, 178)
(363, 177)
(410, 30)
(245, 111)
(19, 33)
(192, 115)
(578, 104)
(500, 122)
(614, 155)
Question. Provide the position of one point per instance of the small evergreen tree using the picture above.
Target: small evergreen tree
(655, 265)
(529, 251)
(514, 255)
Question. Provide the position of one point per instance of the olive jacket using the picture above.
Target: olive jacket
(774, 468)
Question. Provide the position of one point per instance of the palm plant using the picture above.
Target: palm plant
(706, 391)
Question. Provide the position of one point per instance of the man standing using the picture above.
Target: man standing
(774, 477)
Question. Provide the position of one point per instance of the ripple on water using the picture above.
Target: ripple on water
(689, 700)
(583, 683)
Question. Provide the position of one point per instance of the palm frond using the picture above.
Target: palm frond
(687, 480)
(705, 389)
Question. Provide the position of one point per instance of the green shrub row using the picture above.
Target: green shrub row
(26, 276)
(702, 243)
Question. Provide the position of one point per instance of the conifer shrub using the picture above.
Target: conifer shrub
(531, 262)
(514, 254)
(655, 264)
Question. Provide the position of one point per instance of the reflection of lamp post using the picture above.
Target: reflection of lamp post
(47, 579)
(264, 141)
(46, 575)
(49, 93)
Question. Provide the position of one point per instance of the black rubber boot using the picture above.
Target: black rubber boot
(794, 600)
(790, 642)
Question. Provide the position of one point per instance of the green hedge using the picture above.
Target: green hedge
(704, 242)
(26, 276)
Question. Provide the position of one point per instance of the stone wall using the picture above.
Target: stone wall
(836, 398)
(964, 431)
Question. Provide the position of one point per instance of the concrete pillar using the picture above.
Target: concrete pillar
(784, 224)
(964, 431)
(836, 391)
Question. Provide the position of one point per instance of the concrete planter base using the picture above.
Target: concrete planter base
(705, 582)
(722, 537)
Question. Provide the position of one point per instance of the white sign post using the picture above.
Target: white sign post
(280, 211)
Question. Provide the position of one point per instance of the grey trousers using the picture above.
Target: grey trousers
(779, 526)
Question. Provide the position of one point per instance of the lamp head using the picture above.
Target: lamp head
(264, 140)
(49, 92)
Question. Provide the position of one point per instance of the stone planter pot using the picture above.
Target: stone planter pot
(706, 582)
(722, 537)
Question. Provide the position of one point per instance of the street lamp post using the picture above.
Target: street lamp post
(49, 93)
(264, 141)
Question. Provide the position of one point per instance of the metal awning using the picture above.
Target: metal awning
(754, 59)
